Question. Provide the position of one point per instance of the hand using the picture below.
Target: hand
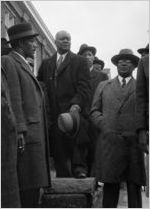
(21, 142)
(75, 107)
(143, 141)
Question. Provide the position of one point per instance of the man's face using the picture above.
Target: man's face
(63, 42)
(29, 46)
(125, 67)
(98, 66)
(89, 55)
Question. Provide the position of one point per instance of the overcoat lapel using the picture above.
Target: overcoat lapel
(25, 67)
(130, 91)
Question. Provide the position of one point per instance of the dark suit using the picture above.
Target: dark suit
(27, 100)
(118, 157)
(142, 94)
(70, 86)
(96, 78)
(142, 103)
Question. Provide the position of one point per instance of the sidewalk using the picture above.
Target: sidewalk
(123, 200)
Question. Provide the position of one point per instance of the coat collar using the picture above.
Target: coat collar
(24, 65)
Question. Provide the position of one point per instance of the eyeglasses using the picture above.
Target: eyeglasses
(124, 61)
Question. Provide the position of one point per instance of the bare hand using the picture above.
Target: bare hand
(143, 141)
(21, 142)
(75, 107)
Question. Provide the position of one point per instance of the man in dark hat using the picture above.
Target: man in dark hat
(5, 49)
(119, 158)
(144, 51)
(98, 64)
(96, 77)
(67, 79)
(28, 106)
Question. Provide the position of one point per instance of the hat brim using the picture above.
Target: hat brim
(131, 57)
(23, 37)
(140, 51)
(100, 62)
(90, 48)
(75, 118)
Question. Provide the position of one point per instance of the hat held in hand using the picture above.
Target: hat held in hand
(69, 123)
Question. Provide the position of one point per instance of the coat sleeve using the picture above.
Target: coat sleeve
(83, 85)
(141, 98)
(96, 114)
(15, 92)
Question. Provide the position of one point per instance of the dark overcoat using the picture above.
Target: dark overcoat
(70, 86)
(28, 106)
(96, 78)
(9, 180)
(118, 157)
(142, 94)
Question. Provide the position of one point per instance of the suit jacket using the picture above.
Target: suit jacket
(113, 113)
(9, 183)
(28, 106)
(142, 94)
(71, 85)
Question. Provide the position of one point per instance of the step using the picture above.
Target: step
(69, 193)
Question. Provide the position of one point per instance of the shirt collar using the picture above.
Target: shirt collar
(127, 79)
(91, 68)
(63, 55)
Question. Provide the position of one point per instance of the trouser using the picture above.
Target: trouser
(29, 198)
(69, 157)
(111, 195)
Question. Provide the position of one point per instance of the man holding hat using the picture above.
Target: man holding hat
(67, 80)
(27, 101)
(118, 155)
(96, 77)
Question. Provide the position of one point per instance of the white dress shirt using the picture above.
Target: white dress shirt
(127, 79)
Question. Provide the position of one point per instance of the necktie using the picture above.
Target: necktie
(123, 82)
(59, 61)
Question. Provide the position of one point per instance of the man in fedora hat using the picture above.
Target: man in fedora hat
(67, 80)
(27, 101)
(144, 51)
(119, 157)
(98, 64)
(96, 77)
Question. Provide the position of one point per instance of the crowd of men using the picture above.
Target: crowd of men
(89, 124)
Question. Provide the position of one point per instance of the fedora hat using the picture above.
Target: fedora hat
(125, 54)
(85, 47)
(146, 49)
(69, 123)
(21, 31)
(98, 61)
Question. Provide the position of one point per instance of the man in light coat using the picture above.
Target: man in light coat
(118, 156)
(27, 101)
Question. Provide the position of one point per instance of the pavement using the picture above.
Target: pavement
(123, 200)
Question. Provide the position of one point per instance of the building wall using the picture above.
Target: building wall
(13, 12)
